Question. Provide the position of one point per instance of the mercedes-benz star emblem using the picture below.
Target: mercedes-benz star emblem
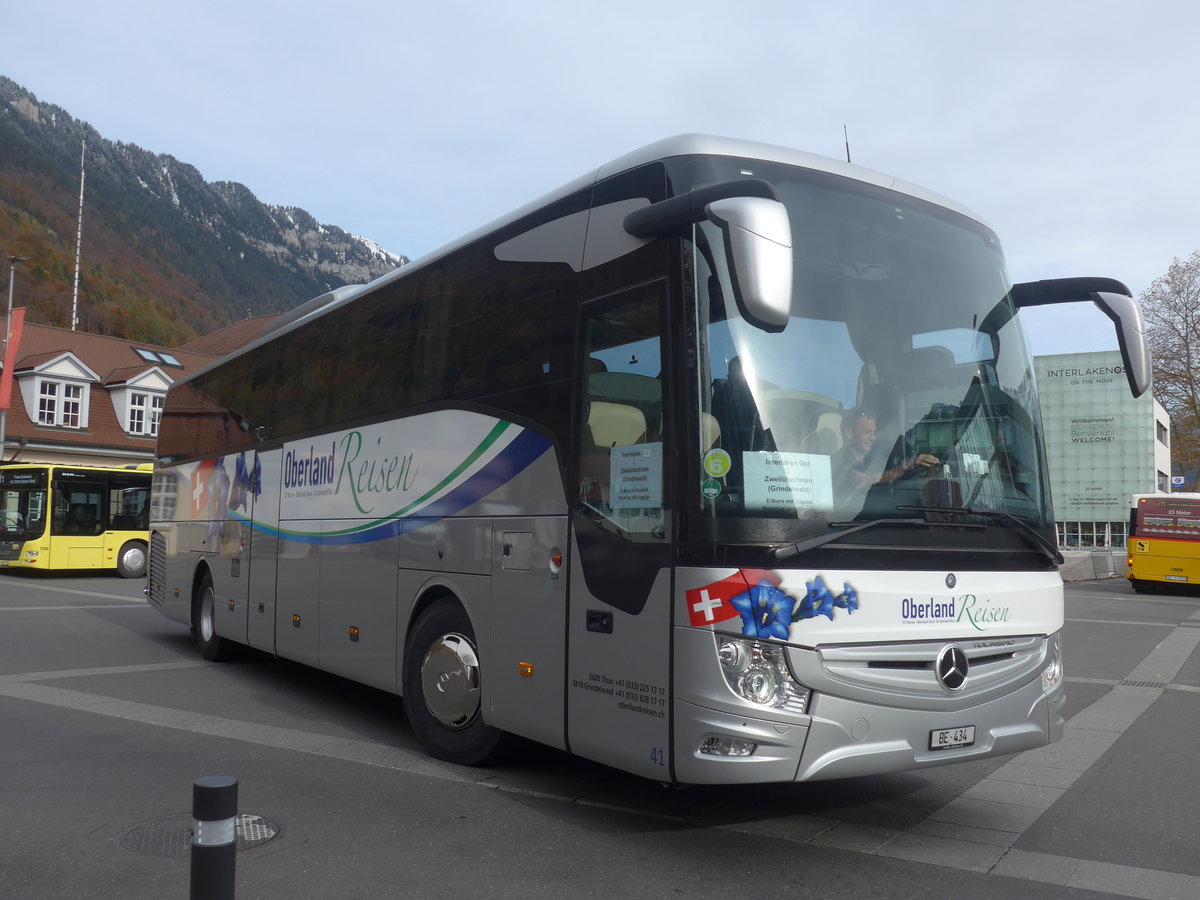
(951, 581)
(952, 667)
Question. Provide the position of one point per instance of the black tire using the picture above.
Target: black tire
(1139, 585)
(441, 680)
(131, 559)
(212, 647)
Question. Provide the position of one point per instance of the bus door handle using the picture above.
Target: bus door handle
(600, 620)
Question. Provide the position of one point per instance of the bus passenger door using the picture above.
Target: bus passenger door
(619, 628)
(529, 609)
(79, 517)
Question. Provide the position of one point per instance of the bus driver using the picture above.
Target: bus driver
(852, 474)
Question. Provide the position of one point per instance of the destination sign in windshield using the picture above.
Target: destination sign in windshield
(1167, 516)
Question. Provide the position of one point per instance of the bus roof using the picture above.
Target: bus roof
(126, 467)
(679, 145)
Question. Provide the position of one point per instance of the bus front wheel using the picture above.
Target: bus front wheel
(442, 676)
(131, 560)
(204, 630)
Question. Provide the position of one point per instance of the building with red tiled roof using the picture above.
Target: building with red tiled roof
(83, 398)
(231, 337)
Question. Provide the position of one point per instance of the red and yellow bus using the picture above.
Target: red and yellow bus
(62, 518)
(1164, 540)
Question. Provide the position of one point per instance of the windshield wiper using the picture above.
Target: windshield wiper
(1044, 545)
(799, 547)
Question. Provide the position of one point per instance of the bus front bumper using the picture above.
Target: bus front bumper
(848, 738)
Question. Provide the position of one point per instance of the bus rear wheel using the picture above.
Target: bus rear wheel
(131, 560)
(204, 626)
(442, 678)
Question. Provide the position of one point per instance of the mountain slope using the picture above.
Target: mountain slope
(166, 255)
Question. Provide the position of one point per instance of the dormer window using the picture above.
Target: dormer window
(56, 390)
(145, 412)
(61, 404)
(138, 400)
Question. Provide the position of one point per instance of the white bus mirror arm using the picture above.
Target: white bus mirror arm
(1126, 314)
(1115, 300)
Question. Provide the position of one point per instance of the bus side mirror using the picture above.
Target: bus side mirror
(1115, 301)
(758, 241)
(758, 246)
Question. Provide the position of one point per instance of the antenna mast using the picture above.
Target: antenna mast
(78, 239)
(846, 134)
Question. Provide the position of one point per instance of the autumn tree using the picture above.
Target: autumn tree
(1171, 306)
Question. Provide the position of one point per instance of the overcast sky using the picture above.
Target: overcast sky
(1070, 127)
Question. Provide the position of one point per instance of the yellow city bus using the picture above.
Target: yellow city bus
(1164, 541)
(62, 518)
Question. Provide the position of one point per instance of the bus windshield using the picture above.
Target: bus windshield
(22, 504)
(901, 385)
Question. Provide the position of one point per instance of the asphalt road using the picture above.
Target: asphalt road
(108, 715)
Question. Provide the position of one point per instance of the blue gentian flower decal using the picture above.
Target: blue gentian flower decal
(820, 601)
(766, 611)
(847, 599)
(817, 602)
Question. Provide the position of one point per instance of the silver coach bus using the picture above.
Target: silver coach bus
(721, 464)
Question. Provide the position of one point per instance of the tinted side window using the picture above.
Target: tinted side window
(470, 327)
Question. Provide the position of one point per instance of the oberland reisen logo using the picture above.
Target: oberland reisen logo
(952, 667)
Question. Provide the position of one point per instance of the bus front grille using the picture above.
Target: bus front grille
(894, 674)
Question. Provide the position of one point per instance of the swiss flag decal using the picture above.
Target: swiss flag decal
(710, 604)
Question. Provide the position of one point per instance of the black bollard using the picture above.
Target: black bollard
(214, 837)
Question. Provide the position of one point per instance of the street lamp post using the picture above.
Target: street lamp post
(12, 267)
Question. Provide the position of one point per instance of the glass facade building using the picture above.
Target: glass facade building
(1102, 446)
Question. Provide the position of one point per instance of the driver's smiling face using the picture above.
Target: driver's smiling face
(862, 435)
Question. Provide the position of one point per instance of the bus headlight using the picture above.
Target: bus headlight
(758, 672)
(1052, 675)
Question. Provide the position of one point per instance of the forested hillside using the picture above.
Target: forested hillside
(166, 255)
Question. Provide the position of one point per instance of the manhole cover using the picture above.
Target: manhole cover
(172, 835)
